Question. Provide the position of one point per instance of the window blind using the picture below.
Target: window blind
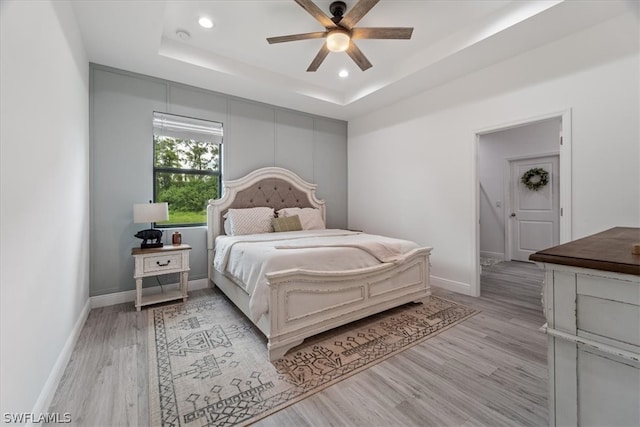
(174, 126)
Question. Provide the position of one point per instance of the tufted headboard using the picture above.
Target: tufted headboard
(272, 187)
(275, 193)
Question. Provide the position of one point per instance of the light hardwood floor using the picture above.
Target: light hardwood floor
(489, 370)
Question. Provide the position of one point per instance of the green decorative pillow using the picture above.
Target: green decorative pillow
(290, 223)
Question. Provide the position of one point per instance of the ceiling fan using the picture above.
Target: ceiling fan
(340, 31)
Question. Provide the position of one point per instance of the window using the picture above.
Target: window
(186, 167)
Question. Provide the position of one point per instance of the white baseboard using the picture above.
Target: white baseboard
(452, 285)
(130, 296)
(51, 385)
(494, 255)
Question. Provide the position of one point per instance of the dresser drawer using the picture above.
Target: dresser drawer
(165, 262)
(608, 307)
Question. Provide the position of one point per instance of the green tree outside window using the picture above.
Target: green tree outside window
(186, 175)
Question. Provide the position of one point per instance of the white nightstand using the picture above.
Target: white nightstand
(158, 261)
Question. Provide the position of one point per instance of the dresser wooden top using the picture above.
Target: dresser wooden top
(165, 248)
(610, 250)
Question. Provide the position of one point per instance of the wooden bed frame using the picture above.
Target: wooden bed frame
(304, 303)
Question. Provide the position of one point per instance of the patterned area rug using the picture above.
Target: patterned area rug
(208, 364)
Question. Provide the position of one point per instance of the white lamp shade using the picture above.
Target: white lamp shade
(150, 212)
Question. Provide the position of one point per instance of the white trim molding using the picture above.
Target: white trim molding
(494, 255)
(451, 285)
(51, 385)
(48, 391)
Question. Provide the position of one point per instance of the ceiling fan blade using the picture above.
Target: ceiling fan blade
(382, 33)
(315, 11)
(356, 13)
(324, 51)
(294, 37)
(358, 57)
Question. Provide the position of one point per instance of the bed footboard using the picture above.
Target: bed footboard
(305, 303)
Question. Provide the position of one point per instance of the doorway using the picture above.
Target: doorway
(503, 155)
(533, 223)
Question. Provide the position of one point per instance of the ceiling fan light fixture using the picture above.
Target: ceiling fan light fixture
(340, 29)
(338, 40)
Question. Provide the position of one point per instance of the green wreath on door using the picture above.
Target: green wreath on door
(535, 178)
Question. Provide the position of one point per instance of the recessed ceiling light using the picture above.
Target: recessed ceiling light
(343, 73)
(205, 22)
(183, 35)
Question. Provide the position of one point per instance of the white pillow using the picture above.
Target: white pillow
(310, 218)
(249, 221)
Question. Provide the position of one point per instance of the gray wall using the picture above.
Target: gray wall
(255, 135)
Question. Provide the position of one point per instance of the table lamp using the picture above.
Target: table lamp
(150, 212)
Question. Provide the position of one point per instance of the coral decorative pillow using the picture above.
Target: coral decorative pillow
(310, 218)
(249, 221)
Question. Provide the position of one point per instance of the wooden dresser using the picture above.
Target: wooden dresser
(591, 300)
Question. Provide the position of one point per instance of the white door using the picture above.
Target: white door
(534, 221)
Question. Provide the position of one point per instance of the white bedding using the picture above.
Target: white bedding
(248, 258)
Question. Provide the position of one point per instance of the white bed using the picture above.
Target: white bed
(290, 303)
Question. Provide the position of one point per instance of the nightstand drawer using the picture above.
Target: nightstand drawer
(162, 263)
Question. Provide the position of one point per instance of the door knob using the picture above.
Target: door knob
(513, 215)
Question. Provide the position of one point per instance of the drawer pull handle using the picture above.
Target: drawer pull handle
(163, 265)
